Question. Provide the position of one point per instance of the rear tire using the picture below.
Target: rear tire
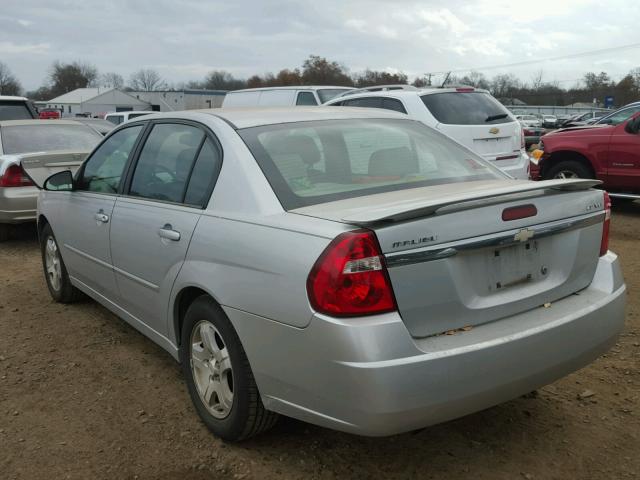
(568, 169)
(55, 272)
(218, 374)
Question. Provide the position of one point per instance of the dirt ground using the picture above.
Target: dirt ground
(83, 395)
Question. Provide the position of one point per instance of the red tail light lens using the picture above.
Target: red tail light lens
(350, 278)
(604, 244)
(14, 176)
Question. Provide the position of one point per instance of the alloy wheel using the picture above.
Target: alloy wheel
(211, 369)
(53, 264)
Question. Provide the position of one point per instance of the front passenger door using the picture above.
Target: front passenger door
(153, 223)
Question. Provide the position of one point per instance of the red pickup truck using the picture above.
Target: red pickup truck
(610, 153)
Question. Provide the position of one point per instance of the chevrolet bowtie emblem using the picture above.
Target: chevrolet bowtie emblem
(494, 130)
(523, 235)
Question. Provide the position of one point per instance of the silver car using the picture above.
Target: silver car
(348, 267)
(59, 144)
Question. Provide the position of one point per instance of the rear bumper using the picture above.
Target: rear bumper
(18, 204)
(368, 376)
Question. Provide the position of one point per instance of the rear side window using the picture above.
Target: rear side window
(466, 108)
(204, 175)
(14, 111)
(306, 98)
(393, 104)
(366, 102)
(166, 161)
(49, 137)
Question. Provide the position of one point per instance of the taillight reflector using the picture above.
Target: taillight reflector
(604, 243)
(521, 211)
(350, 278)
(14, 176)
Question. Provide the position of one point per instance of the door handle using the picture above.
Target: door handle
(169, 233)
(100, 216)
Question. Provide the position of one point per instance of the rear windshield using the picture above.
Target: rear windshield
(327, 94)
(14, 111)
(466, 108)
(47, 138)
(308, 163)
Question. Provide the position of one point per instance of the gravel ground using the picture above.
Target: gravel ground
(83, 395)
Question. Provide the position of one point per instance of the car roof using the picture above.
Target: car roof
(292, 87)
(13, 98)
(258, 116)
(14, 123)
(146, 112)
(405, 93)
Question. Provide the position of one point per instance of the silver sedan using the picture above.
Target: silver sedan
(351, 268)
(50, 144)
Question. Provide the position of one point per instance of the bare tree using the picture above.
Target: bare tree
(111, 80)
(65, 77)
(9, 85)
(536, 80)
(146, 80)
(222, 80)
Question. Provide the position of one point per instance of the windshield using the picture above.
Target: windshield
(619, 116)
(466, 108)
(327, 94)
(10, 110)
(47, 138)
(308, 163)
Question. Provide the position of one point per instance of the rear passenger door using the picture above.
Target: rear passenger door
(167, 188)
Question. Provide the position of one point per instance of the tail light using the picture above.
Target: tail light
(350, 277)
(604, 244)
(14, 176)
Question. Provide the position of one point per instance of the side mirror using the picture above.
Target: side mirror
(633, 126)
(59, 182)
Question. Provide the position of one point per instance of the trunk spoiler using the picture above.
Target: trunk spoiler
(418, 207)
(41, 165)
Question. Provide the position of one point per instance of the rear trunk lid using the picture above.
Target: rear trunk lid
(454, 262)
(40, 166)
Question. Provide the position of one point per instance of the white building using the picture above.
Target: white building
(96, 102)
(176, 100)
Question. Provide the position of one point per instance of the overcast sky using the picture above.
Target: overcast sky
(184, 39)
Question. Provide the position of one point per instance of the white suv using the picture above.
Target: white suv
(470, 116)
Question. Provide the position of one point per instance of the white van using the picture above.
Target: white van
(282, 96)
(120, 117)
(469, 115)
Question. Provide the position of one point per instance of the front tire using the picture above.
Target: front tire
(55, 272)
(568, 169)
(218, 375)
